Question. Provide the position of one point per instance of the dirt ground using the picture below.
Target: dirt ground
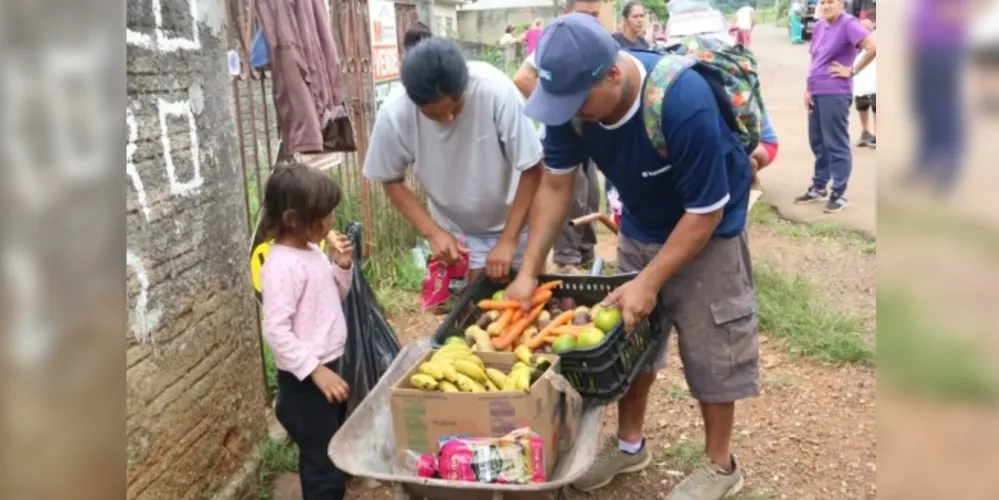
(811, 434)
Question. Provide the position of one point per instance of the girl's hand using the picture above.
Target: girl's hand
(330, 384)
(340, 248)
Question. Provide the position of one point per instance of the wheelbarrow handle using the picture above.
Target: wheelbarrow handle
(595, 217)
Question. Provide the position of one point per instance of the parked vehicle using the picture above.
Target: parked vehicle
(695, 17)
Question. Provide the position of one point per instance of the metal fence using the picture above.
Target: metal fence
(387, 235)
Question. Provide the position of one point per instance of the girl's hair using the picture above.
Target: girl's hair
(296, 197)
(538, 23)
(510, 28)
(628, 6)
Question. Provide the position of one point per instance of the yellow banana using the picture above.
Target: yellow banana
(466, 384)
(450, 374)
(490, 386)
(445, 386)
(496, 377)
(470, 369)
(523, 380)
(433, 369)
(520, 366)
(524, 354)
(423, 381)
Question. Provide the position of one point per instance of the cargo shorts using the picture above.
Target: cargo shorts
(711, 303)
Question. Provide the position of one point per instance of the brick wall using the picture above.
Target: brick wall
(195, 394)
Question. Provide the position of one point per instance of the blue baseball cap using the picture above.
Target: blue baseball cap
(574, 53)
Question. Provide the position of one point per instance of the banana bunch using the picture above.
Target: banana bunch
(455, 368)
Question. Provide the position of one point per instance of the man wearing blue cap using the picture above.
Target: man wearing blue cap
(682, 230)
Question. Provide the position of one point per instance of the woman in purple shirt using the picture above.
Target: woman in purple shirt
(836, 40)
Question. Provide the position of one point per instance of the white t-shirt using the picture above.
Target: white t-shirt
(507, 39)
(744, 18)
(865, 82)
(470, 168)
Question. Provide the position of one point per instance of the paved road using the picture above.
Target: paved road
(783, 68)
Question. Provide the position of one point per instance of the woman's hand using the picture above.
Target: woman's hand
(840, 71)
(808, 101)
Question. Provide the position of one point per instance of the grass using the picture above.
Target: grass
(919, 356)
(791, 310)
(683, 456)
(677, 393)
(275, 459)
(764, 214)
(778, 383)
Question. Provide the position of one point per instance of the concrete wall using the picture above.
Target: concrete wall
(194, 392)
(486, 26)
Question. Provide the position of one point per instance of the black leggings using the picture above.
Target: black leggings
(311, 421)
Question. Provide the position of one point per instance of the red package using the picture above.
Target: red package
(516, 458)
(441, 278)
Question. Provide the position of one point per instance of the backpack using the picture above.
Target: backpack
(730, 70)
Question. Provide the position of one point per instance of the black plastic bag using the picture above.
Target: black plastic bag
(371, 342)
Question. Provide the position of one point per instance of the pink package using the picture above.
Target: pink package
(437, 284)
(426, 466)
(516, 458)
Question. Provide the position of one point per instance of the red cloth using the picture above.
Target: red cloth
(771, 149)
(743, 37)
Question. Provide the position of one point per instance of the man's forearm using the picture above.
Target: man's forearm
(547, 216)
(526, 79)
(686, 240)
(410, 206)
(522, 199)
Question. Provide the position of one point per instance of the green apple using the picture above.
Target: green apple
(564, 343)
(607, 318)
(589, 337)
(498, 295)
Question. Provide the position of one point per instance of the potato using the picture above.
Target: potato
(483, 321)
(545, 316)
(479, 338)
(493, 315)
(551, 306)
(581, 318)
(567, 304)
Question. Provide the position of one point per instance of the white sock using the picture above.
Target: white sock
(630, 448)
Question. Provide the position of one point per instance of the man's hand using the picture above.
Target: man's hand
(445, 247)
(636, 299)
(840, 71)
(500, 259)
(330, 384)
(522, 290)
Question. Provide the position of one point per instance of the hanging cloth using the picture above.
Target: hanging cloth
(308, 84)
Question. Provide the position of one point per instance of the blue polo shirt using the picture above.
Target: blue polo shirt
(706, 168)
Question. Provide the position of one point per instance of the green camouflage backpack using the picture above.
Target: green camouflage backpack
(730, 70)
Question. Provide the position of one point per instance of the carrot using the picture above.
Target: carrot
(498, 304)
(506, 339)
(559, 320)
(517, 314)
(571, 329)
(551, 285)
(539, 298)
(497, 326)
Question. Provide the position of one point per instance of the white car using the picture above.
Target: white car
(696, 17)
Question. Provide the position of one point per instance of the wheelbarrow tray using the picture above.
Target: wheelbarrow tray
(365, 447)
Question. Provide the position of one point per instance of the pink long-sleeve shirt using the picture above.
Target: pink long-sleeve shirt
(304, 324)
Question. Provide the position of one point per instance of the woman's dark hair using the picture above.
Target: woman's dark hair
(628, 6)
(435, 68)
(415, 34)
(510, 28)
(296, 197)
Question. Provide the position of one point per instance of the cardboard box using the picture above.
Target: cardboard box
(423, 419)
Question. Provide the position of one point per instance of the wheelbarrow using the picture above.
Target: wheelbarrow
(365, 446)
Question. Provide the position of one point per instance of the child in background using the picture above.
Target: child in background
(304, 323)
(765, 153)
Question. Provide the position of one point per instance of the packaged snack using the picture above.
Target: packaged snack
(516, 458)
(443, 281)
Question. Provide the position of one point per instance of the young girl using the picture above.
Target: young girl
(304, 324)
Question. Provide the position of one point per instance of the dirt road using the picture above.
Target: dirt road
(783, 70)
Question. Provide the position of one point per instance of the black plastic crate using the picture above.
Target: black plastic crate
(601, 373)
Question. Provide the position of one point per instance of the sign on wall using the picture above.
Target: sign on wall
(384, 44)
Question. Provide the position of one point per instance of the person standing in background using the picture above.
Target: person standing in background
(836, 40)
(632, 26)
(797, 10)
(574, 246)
(508, 38)
(865, 95)
(532, 35)
(745, 21)
(939, 39)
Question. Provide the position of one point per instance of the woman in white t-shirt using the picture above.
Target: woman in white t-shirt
(865, 98)
(745, 21)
